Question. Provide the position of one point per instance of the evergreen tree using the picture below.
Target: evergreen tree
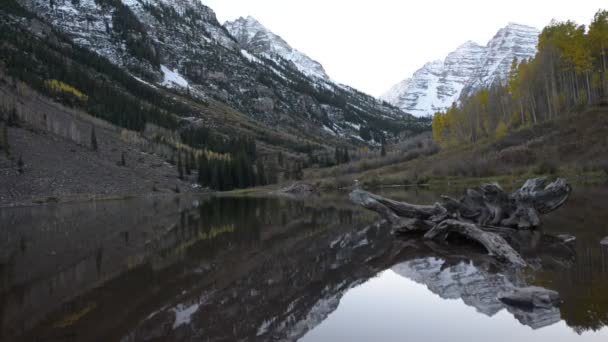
(214, 179)
(226, 179)
(261, 173)
(203, 170)
(188, 164)
(299, 174)
(180, 166)
(272, 174)
(364, 133)
(94, 146)
(192, 161)
(20, 165)
(5, 143)
(13, 118)
(346, 156)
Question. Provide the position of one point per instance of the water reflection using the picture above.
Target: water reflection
(225, 269)
(476, 286)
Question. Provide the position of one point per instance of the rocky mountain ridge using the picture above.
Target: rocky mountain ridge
(253, 37)
(471, 67)
(181, 45)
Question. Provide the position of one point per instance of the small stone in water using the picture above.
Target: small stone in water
(566, 238)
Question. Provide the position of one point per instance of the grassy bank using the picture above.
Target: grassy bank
(574, 146)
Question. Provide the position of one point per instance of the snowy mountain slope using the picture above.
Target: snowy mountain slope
(260, 45)
(513, 41)
(180, 44)
(470, 67)
(257, 39)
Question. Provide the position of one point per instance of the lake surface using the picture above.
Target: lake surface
(269, 269)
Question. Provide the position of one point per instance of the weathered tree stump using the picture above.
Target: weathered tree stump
(493, 242)
(476, 216)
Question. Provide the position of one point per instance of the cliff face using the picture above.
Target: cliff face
(469, 68)
(257, 39)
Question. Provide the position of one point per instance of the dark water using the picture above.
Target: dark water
(267, 269)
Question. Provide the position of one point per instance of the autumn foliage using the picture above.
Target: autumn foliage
(567, 74)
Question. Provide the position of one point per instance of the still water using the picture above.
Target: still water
(270, 269)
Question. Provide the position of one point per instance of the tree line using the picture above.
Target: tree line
(567, 74)
(223, 173)
(203, 138)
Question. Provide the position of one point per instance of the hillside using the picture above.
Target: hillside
(549, 116)
(573, 146)
(172, 104)
(181, 45)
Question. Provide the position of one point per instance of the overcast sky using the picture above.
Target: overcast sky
(372, 45)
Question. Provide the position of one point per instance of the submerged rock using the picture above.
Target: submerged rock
(566, 238)
(530, 297)
(298, 189)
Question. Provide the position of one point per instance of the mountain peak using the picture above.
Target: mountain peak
(469, 43)
(255, 38)
(250, 20)
(435, 65)
(517, 26)
(470, 67)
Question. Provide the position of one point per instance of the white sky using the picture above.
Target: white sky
(372, 45)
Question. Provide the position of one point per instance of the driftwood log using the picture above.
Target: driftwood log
(477, 215)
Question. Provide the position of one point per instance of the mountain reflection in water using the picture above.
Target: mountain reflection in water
(260, 269)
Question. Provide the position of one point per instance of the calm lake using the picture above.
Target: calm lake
(276, 269)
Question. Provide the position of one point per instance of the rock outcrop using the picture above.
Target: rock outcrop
(257, 39)
(298, 189)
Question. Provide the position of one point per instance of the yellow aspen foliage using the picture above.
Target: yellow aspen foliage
(440, 129)
(568, 74)
(57, 86)
(501, 130)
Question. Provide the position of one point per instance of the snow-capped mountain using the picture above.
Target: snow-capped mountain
(257, 39)
(470, 67)
(180, 44)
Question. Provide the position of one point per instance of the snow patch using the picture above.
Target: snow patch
(329, 130)
(262, 329)
(144, 82)
(173, 78)
(183, 314)
(250, 57)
